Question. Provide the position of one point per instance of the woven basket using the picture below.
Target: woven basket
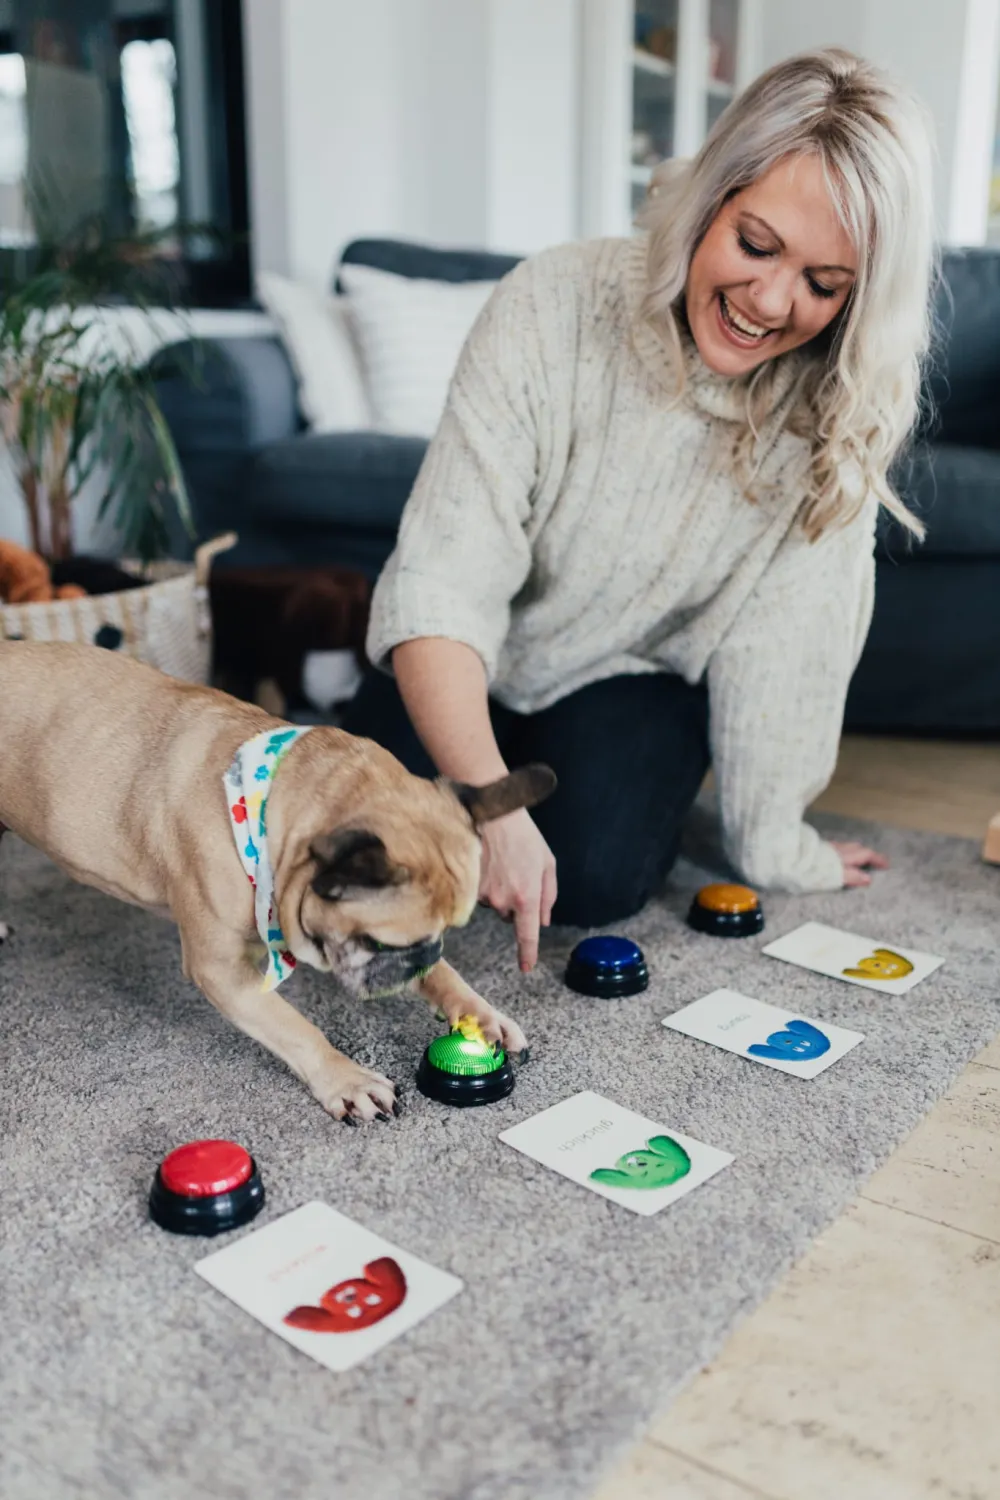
(166, 622)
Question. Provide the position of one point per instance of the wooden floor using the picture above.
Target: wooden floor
(873, 1372)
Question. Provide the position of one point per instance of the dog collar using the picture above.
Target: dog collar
(247, 783)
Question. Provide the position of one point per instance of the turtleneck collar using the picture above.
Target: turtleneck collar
(718, 395)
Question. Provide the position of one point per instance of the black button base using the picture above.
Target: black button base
(212, 1214)
(464, 1090)
(726, 923)
(607, 984)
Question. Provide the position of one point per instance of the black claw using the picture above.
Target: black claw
(381, 1115)
(397, 1108)
(350, 1120)
(524, 1055)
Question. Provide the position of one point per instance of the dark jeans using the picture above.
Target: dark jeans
(630, 754)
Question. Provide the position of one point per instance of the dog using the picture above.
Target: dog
(332, 855)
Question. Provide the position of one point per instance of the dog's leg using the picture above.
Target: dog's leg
(450, 994)
(345, 1090)
(5, 931)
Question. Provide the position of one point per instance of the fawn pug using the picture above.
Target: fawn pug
(267, 844)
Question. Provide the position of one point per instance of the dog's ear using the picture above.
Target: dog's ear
(525, 787)
(352, 859)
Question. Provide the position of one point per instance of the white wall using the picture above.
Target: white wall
(947, 51)
(534, 155)
(264, 73)
(445, 120)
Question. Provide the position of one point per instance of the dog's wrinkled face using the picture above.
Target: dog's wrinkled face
(381, 893)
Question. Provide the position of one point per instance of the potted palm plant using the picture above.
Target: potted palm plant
(78, 407)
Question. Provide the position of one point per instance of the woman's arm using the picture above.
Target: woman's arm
(441, 608)
(443, 684)
(777, 686)
(463, 550)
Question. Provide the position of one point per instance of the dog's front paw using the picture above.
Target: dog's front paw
(510, 1036)
(357, 1095)
(495, 1028)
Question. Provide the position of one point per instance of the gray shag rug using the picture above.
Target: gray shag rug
(124, 1375)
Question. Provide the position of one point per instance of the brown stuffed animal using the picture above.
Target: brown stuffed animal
(25, 578)
(267, 619)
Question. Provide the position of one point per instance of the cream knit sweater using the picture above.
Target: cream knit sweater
(572, 521)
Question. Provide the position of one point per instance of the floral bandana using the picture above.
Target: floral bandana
(247, 783)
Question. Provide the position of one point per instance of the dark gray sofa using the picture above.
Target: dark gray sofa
(932, 660)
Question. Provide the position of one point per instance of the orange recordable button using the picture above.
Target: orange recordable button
(725, 910)
(727, 898)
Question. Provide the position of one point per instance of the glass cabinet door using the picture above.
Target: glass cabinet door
(723, 36)
(654, 77)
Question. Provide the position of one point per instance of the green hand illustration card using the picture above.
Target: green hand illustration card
(615, 1152)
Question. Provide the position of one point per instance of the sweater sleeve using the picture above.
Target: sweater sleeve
(462, 552)
(777, 687)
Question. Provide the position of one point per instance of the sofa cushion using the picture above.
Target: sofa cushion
(319, 338)
(427, 262)
(956, 493)
(410, 332)
(964, 376)
(354, 479)
(932, 659)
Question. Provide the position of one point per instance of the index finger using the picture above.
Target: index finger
(526, 925)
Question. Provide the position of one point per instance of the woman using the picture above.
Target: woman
(642, 537)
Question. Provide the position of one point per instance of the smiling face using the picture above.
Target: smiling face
(774, 268)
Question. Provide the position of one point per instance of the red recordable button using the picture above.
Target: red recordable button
(201, 1169)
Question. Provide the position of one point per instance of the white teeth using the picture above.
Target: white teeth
(750, 330)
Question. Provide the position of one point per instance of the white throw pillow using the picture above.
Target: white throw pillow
(315, 327)
(410, 333)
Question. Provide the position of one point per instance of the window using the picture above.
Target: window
(130, 111)
(14, 228)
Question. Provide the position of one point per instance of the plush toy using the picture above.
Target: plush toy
(25, 578)
(271, 623)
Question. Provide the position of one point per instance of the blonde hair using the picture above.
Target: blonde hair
(860, 390)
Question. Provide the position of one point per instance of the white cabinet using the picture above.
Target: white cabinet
(655, 76)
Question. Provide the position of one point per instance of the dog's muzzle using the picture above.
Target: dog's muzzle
(392, 969)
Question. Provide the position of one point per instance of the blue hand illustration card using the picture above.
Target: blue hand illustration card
(780, 1039)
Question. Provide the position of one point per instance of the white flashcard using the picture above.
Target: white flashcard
(327, 1285)
(777, 1038)
(615, 1152)
(856, 960)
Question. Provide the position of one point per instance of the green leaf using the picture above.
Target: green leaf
(72, 404)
